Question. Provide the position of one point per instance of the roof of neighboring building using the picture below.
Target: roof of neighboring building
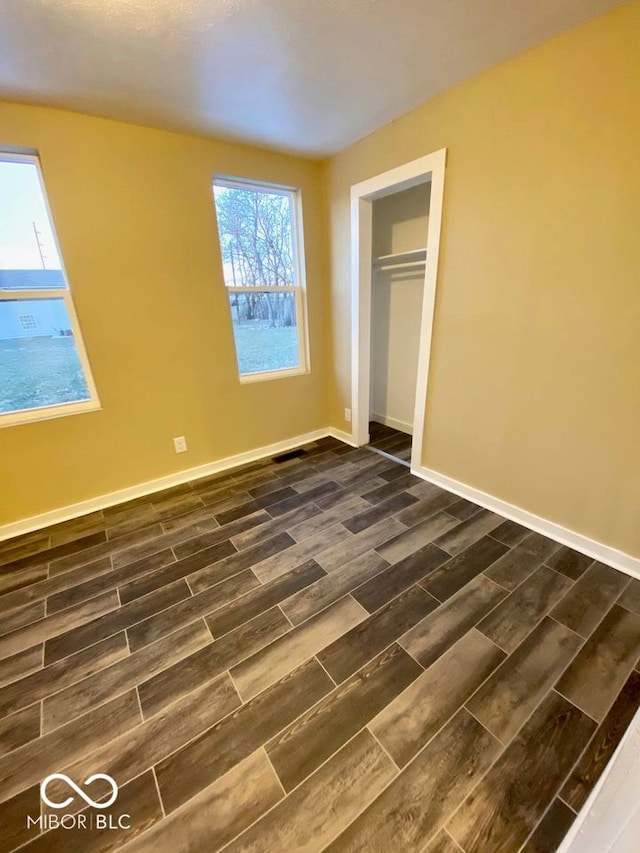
(31, 279)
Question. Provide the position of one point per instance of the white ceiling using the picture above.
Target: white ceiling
(309, 76)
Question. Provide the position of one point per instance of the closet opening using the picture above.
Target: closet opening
(399, 251)
(395, 226)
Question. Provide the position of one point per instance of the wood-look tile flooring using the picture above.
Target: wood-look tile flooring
(321, 654)
(391, 441)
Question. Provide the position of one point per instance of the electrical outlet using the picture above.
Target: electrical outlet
(347, 415)
(180, 444)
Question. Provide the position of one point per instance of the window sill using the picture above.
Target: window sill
(47, 413)
(272, 374)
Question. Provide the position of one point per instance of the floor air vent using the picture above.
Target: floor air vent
(292, 454)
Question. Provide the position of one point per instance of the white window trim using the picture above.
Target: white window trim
(299, 290)
(42, 413)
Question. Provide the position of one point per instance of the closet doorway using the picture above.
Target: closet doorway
(399, 249)
(395, 220)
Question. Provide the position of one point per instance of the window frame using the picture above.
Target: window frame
(299, 290)
(56, 410)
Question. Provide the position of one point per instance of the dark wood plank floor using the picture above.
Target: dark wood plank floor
(390, 440)
(321, 654)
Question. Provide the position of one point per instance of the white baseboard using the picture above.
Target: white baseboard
(46, 519)
(345, 437)
(394, 423)
(604, 553)
(597, 550)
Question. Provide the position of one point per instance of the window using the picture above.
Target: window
(44, 370)
(261, 244)
(28, 323)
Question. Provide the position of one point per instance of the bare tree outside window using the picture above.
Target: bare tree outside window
(257, 231)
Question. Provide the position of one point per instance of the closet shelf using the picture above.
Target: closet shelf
(415, 257)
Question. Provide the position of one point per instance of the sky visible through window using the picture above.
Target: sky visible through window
(22, 205)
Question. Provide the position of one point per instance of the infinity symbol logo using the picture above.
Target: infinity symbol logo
(79, 791)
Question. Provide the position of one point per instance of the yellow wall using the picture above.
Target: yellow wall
(534, 388)
(133, 209)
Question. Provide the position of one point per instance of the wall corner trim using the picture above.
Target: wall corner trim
(47, 519)
(597, 550)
